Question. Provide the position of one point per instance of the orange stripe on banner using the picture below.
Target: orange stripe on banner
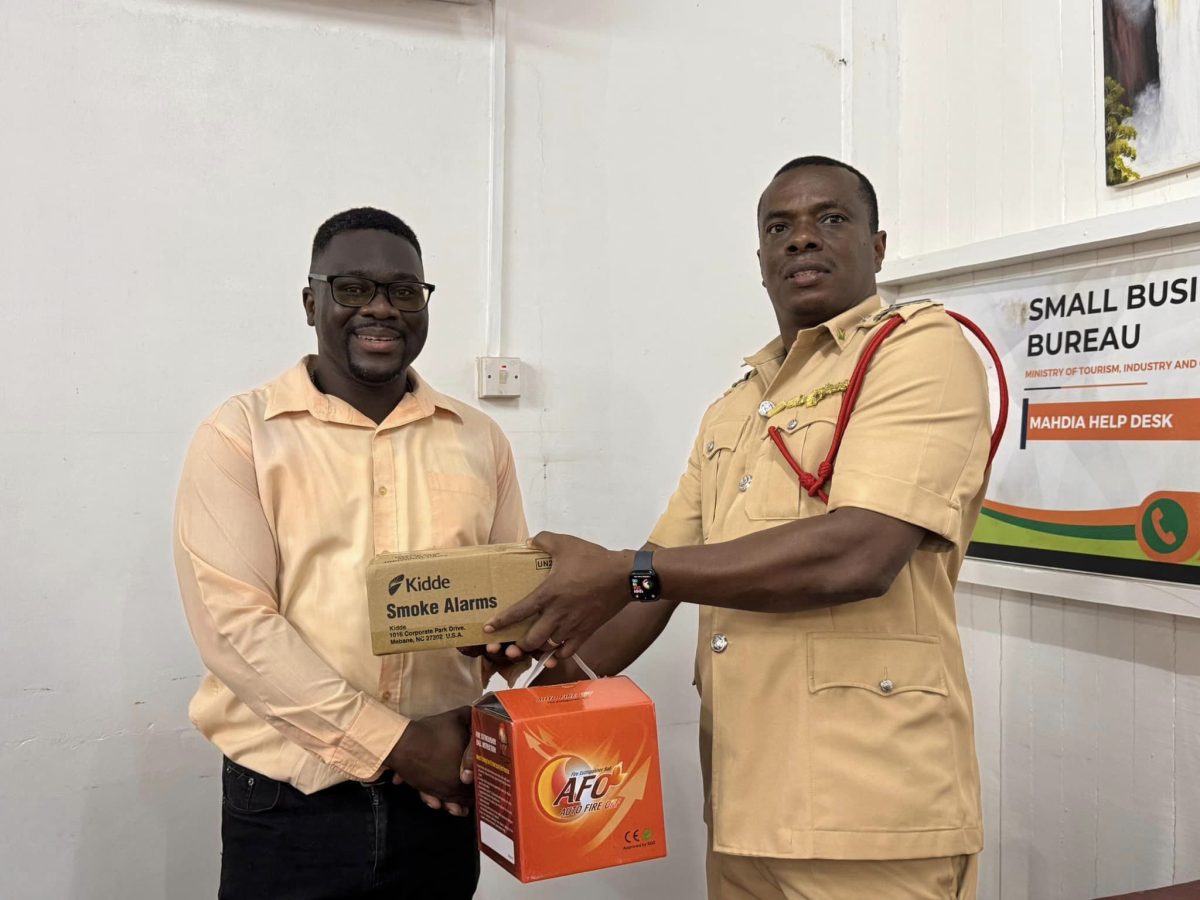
(1115, 420)
(1123, 516)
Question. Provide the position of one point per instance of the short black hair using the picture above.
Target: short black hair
(363, 218)
(864, 185)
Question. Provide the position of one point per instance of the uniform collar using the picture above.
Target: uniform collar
(295, 392)
(841, 328)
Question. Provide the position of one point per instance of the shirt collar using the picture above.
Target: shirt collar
(294, 391)
(841, 328)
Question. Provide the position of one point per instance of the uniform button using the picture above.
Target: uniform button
(719, 642)
(744, 484)
(764, 408)
(383, 492)
(387, 695)
(708, 448)
(793, 425)
(886, 686)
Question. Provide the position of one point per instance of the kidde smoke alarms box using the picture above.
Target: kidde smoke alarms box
(567, 778)
(443, 598)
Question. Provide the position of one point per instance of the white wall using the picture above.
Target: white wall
(173, 160)
(999, 124)
(162, 170)
(1086, 715)
(166, 163)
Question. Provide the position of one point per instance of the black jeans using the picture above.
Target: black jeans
(352, 840)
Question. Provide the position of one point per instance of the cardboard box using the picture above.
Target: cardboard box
(443, 598)
(567, 778)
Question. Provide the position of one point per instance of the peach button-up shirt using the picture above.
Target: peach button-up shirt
(286, 495)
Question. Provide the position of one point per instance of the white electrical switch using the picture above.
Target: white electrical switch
(498, 376)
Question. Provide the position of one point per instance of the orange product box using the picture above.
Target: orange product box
(567, 778)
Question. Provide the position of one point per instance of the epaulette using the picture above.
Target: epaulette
(898, 309)
(737, 384)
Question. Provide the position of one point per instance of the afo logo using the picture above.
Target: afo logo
(569, 787)
(412, 585)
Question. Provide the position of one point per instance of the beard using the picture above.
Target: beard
(385, 376)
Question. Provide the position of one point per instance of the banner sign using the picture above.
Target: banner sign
(1099, 470)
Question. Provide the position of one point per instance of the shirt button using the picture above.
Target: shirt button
(793, 425)
(387, 695)
(383, 492)
(718, 643)
(764, 408)
(744, 484)
(708, 448)
(886, 686)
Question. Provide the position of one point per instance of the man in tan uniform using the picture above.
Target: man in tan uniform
(836, 725)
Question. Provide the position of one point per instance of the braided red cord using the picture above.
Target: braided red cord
(814, 484)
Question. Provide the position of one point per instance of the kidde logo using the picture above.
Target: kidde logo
(428, 583)
(569, 787)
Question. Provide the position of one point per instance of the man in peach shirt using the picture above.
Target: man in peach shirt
(336, 761)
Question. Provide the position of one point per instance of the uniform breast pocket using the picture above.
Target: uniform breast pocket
(882, 757)
(718, 445)
(775, 491)
(462, 508)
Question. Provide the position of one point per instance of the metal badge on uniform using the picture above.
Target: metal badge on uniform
(765, 408)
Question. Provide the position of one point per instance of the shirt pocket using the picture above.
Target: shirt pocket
(462, 508)
(882, 755)
(774, 491)
(718, 444)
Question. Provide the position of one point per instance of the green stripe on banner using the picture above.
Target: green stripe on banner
(1087, 532)
(992, 531)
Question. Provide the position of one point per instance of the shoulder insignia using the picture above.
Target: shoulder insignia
(906, 309)
(737, 384)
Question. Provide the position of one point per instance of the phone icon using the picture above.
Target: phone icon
(1156, 522)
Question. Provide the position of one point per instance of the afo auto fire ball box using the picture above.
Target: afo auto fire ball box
(567, 778)
(443, 598)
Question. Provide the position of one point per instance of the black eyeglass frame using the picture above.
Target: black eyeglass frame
(427, 291)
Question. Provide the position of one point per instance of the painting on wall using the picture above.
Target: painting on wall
(1151, 88)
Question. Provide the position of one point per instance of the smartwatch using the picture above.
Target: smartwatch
(643, 580)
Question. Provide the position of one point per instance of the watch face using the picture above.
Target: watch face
(643, 585)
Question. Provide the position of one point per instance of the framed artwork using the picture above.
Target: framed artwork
(1151, 87)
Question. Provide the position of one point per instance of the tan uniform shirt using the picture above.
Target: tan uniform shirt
(843, 733)
(286, 495)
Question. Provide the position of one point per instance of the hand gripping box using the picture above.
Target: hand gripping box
(443, 598)
(567, 778)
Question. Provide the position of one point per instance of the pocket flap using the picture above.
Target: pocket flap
(885, 664)
(721, 436)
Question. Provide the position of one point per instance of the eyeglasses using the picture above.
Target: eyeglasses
(357, 292)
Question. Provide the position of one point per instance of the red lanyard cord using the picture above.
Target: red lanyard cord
(814, 484)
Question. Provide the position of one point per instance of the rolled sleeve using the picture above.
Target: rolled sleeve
(917, 441)
(680, 525)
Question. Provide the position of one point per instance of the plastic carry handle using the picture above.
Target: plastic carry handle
(528, 678)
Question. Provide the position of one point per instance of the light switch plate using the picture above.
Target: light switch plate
(498, 376)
